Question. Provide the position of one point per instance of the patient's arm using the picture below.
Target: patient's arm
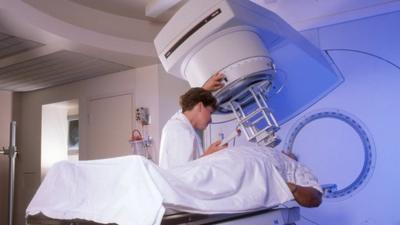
(305, 196)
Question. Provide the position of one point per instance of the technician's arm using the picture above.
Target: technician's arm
(214, 83)
(214, 147)
(305, 196)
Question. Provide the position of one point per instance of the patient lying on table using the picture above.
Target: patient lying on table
(126, 189)
(300, 180)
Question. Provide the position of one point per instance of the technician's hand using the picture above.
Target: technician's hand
(215, 147)
(214, 83)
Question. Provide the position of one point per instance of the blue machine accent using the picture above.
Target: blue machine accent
(369, 148)
(305, 80)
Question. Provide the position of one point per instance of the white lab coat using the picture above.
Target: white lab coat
(179, 142)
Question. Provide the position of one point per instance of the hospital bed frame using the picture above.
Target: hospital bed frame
(276, 216)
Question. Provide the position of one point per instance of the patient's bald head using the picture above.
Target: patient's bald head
(196, 95)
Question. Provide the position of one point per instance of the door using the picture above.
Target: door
(110, 126)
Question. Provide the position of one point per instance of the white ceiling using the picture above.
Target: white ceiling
(125, 8)
(117, 34)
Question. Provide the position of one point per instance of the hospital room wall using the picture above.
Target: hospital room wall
(162, 100)
(161, 95)
(150, 87)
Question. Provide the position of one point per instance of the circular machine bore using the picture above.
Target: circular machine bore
(366, 164)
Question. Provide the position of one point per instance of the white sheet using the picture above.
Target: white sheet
(118, 190)
(132, 190)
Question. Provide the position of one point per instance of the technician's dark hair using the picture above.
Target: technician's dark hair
(196, 95)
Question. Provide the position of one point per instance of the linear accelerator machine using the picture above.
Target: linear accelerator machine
(271, 74)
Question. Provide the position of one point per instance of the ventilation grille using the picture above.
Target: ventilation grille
(54, 69)
(11, 45)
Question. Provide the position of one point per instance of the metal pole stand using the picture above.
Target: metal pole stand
(12, 154)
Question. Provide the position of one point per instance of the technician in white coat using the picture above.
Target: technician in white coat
(180, 142)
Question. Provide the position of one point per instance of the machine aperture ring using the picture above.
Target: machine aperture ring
(367, 142)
